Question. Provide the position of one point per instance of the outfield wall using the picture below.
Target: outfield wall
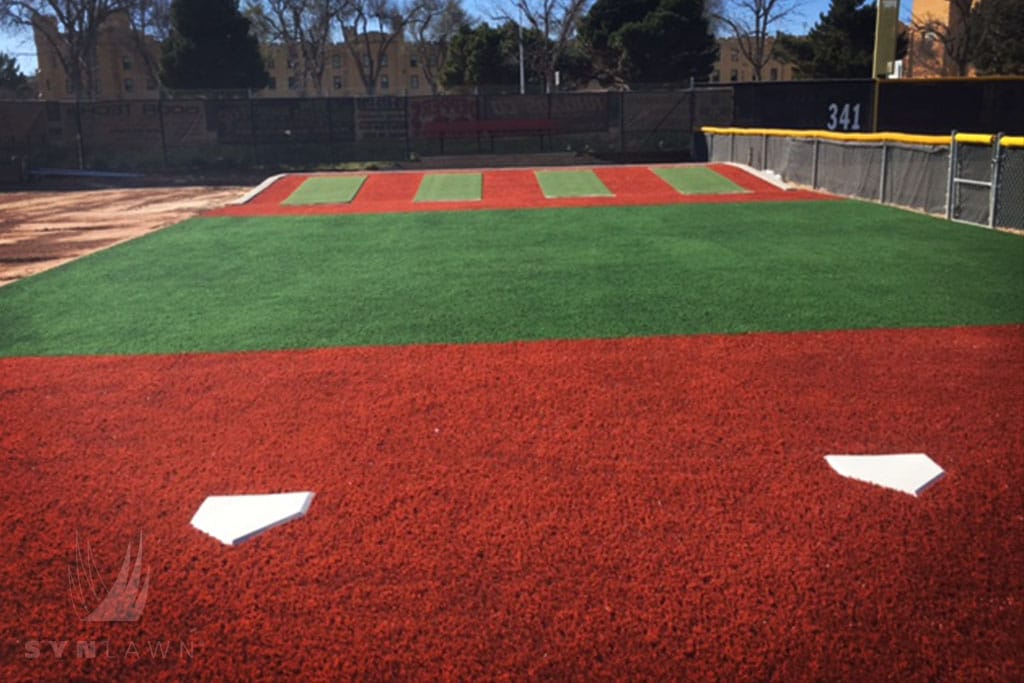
(970, 177)
(200, 130)
(197, 132)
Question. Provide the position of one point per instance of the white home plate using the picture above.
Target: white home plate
(233, 519)
(908, 472)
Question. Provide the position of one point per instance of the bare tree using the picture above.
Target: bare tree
(952, 33)
(751, 22)
(713, 11)
(369, 28)
(556, 22)
(71, 28)
(304, 28)
(150, 21)
(432, 27)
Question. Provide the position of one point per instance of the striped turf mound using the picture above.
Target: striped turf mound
(579, 443)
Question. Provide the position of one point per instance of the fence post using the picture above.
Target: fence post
(732, 146)
(160, 119)
(950, 186)
(622, 121)
(882, 174)
(330, 129)
(996, 163)
(252, 127)
(408, 140)
(814, 166)
(764, 151)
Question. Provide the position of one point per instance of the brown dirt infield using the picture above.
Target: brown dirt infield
(42, 230)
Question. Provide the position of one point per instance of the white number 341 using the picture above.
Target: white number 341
(846, 117)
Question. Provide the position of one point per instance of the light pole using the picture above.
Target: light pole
(522, 68)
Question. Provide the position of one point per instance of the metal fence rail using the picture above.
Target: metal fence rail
(972, 178)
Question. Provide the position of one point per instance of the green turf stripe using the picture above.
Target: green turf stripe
(576, 183)
(450, 187)
(219, 284)
(326, 190)
(698, 180)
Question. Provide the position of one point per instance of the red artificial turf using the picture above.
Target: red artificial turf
(644, 508)
(395, 192)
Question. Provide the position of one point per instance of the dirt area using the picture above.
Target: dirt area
(40, 230)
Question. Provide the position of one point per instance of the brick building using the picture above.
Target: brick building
(125, 66)
(731, 65)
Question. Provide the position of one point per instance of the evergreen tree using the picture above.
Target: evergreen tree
(490, 56)
(211, 47)
(11, 77)
(650, 40)
(841, 44)
(998, 30)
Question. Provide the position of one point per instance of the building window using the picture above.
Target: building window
(67, 86)
(337, 83)
(774, 74)
(383, 61)
(384, 82)
(735, 56)
(293, 83)
(414, 61)
(272, 83)
(129, 85)
(336, 61)
(150, 83)
(292, 64)
(414, 83)
(734, 75)
(367, 62)
(126, 63)
(269, 62)
(715, 76)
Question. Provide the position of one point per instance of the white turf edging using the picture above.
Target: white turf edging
(254, 192)
(768, 176)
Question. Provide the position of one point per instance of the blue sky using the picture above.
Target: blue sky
(20, 44)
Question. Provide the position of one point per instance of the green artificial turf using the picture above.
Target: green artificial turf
(698, 180)
(326, 190)
(582, 183)
(218, 284)
(450, 187)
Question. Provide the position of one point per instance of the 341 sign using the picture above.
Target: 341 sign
(845, 116)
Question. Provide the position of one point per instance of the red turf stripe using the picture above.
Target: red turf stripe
(636, 181)
(388, 189)
(642, 508)
(509, 189)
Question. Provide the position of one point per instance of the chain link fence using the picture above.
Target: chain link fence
(1009, 197)
(971, 178)
(232, 130)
